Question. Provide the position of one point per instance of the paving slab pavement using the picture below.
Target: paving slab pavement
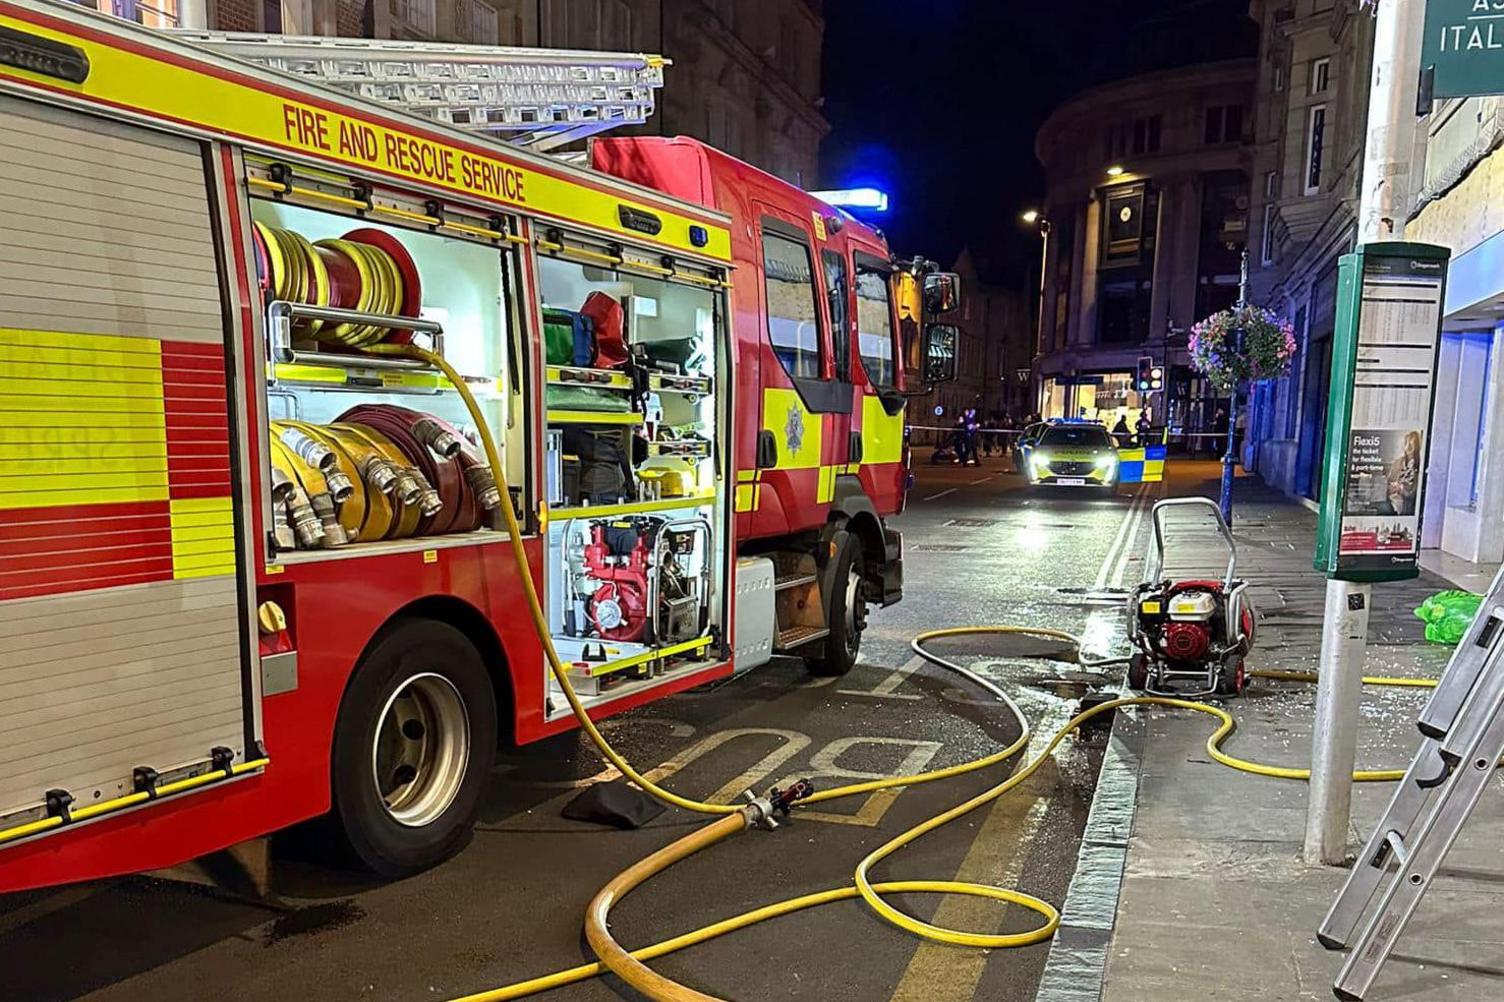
(1214, 901)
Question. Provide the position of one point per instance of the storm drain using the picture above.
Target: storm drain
(971, 523)
(939, 547)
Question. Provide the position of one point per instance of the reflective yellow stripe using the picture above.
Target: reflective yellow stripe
(746, 476)
(797, 431)
(882, 433)
(203, 537)
(746, 497)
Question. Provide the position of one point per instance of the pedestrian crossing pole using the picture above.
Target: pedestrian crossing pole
(1384, 198)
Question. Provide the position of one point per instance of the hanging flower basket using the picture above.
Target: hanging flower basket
(1268, 346)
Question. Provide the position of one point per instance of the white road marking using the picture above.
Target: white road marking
(984, 480)
(941, 494)
(888, 687)
(1109, 562)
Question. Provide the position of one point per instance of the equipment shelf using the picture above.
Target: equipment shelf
(700, 500)
(598, 669)
(571, 375)
(594, 417)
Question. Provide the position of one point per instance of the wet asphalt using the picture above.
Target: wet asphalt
(980, 547)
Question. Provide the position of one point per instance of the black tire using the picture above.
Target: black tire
(1231, 678)
(1138, 672)
(846, 609)
(409, 682)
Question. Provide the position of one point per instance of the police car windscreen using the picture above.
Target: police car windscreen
(1080, 437)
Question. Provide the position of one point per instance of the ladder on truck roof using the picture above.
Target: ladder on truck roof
(536, 98)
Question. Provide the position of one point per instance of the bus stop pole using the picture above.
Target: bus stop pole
(1383, 200)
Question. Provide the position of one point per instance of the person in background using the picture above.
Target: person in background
(1219, 430)
(970, 429)
(1121, 433)
(1142, 428)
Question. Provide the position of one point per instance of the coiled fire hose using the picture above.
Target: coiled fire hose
(631, 967)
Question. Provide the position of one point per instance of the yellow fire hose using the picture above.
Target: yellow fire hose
(631, 967)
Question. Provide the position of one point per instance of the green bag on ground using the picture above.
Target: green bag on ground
(1448, 614)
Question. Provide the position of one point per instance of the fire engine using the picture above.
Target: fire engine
(251, 572)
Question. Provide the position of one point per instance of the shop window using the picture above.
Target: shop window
(874, 320)
(837, 291)
(793, 306)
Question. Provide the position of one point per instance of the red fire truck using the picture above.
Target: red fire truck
(251, 572)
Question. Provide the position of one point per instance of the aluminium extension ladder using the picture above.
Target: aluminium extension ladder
(1463, 729)
(537, 98)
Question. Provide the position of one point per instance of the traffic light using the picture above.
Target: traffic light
(1145, 372)
(1156, 378)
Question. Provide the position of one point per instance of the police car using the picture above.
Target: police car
(1073, 455)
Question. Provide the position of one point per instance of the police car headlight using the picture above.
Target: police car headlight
(1106, 462)
(1040, 460)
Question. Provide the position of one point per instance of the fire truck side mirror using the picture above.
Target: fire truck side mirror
(940, 342)
(942, 292)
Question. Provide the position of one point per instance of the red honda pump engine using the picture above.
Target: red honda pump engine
(1185, 641)
(618, 609)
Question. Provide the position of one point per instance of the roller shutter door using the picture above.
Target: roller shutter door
(121, 640)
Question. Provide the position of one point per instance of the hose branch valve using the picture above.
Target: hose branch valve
(764, 812)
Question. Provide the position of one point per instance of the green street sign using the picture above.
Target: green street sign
(1463, 49)
(1384, 348)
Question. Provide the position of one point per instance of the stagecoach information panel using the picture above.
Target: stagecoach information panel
(1379, 412)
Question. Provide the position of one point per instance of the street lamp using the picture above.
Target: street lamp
(1036, 218)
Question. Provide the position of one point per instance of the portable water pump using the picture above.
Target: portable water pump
(1191, 637)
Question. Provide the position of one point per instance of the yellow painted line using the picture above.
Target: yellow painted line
(938, 971)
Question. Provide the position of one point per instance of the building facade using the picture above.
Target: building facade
(1307, 157)
(744, 77)
(997, 344)
(1315, 70)
(1145, 223)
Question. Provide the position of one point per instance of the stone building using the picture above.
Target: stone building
(1147, 217)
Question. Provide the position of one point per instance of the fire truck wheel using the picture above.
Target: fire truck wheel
(415, 739)
(1138, 672)
(848, 611)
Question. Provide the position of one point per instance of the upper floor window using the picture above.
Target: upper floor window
(477, 22)
(417, 16)
(1271, 211)
(1140, 135)
(1224, 123)
(1315, 140)
(793, 310)
(874, 319)
(1321, 75)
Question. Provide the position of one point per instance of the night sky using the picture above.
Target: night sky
(938, 102)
